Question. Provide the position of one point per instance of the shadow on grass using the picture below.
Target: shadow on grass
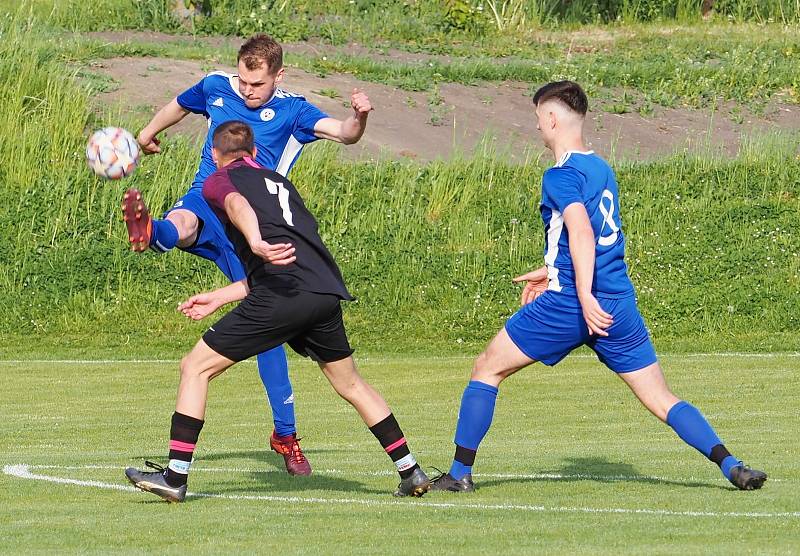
(597, 470)
(273, 480)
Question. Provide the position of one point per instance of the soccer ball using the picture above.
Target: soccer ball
(112, 153)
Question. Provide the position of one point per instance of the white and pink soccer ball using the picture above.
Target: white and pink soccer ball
(112, 153)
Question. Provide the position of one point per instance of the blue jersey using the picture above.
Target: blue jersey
(588, 179)
(281, 126)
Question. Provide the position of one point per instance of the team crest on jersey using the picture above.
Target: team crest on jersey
(267, 114)
(219, 102)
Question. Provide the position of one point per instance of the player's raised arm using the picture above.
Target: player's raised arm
(347, 131)
(581, 248)
(168, 116)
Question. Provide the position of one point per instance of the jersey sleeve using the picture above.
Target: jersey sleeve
(216, 188)
(307, 117)
(563, 186)
(193, 99)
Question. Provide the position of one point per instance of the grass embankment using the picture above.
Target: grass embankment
(428, 250)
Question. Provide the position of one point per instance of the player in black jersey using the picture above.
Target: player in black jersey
(292, 295)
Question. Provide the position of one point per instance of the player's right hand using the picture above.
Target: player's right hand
(280, 254)
(149, 144)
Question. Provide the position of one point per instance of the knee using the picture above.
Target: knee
(190, 370)
(185, 222)
(484, 370)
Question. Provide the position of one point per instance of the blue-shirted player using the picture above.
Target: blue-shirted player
(283, 123)
(582, 296)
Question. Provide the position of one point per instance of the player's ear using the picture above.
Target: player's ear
(551, 117)
(279, 76)
(255, 152)
(215, 156)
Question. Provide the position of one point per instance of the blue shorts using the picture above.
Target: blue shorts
(551, 326)
(211, 243)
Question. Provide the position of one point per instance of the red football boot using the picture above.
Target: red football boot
(293, 456)
(137, 219)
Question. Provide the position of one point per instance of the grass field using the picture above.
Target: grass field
(572, 464)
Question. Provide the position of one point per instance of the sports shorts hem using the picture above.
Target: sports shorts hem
(638, 368)
(547, 361)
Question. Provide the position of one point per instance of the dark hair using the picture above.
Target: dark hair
(568, 92)
(259, 50)
(233, 137)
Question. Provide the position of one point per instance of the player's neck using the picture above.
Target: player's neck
(572, 144)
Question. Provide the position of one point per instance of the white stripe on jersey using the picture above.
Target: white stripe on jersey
(566, 155)
(290, 153)
(553, 235)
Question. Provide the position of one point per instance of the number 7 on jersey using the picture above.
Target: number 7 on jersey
(276, 188)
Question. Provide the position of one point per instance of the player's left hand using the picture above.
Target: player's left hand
(535, 285)
(360, 103)
(596, 318)
(200, 306)
(280, 254)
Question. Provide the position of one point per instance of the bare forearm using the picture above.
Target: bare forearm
(243, 217)
(347, 131)
(353, 128)
(581, 248)
(168, 116)
(232, 292)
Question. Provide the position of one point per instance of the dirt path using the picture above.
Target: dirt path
(428, 125)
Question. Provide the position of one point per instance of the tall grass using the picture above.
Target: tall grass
(413, 21)
(429, 250)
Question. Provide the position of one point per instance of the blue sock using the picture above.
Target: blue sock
(727, 464)
(164, 236)
(274, 371)
(474, 420)
(692, 427)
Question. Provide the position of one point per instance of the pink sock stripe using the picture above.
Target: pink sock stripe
(181, 446)
(395, 445)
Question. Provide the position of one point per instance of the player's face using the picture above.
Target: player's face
(257, 86)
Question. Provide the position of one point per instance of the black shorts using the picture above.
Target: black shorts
(311, 323)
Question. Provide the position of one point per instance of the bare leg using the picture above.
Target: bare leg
(187, 224)
(197, 369)
(501, 359)
(345, 379)
(650, 386)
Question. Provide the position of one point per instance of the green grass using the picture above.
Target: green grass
(567, 439)
(429, 250)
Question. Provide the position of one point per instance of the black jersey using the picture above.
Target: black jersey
(282, 218)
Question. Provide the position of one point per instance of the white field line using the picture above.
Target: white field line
(732, 354)
(23, 471)
(388, 473)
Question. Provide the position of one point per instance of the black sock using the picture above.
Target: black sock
(391, 438)
(183, 435)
